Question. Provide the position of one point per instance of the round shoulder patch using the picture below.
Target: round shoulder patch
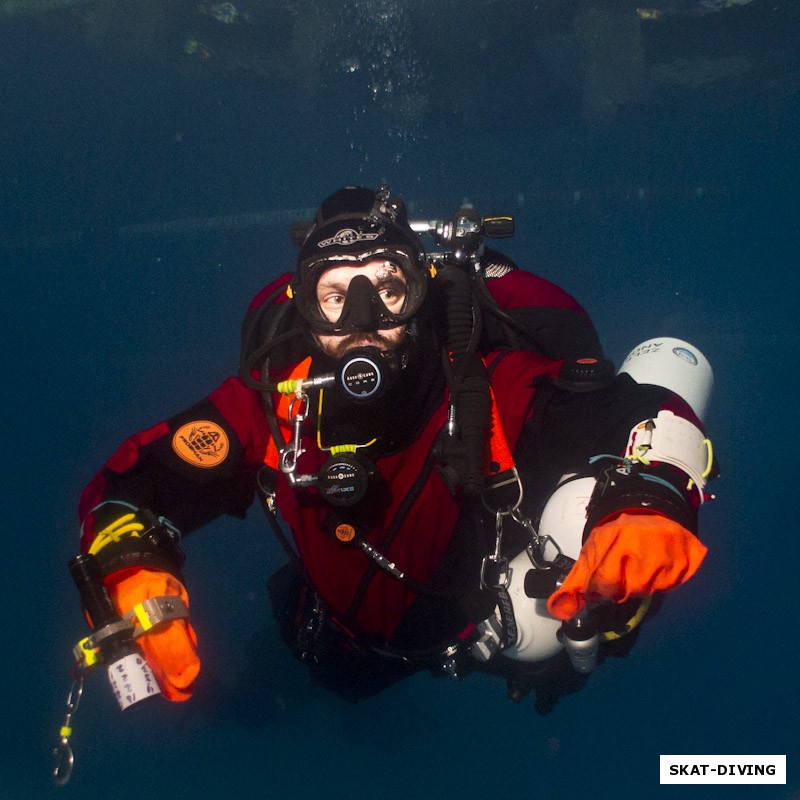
(201, 443)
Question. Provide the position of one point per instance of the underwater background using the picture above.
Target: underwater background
(153, 160)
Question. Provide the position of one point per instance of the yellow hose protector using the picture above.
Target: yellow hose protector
(631, 624)
(126, 525)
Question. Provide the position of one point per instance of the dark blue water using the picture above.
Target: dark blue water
(107, 333)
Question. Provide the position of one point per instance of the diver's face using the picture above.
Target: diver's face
(332, 287)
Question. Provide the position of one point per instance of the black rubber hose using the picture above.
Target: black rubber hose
(254, 319)
(459, 312)
(487, 303)
(469, 387)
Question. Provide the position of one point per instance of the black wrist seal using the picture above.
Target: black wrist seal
(622, 489)
(156, 547)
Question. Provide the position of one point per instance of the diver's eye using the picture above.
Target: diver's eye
(331, 305)
(393, 297)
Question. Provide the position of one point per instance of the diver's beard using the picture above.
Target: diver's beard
(412, 392)
(343, 344)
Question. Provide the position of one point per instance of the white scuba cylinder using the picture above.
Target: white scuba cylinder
(676, 365)
(672, 363)
(563, 520)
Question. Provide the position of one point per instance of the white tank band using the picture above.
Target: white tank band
(670, 439)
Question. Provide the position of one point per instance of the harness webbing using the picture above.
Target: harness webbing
(498, 468)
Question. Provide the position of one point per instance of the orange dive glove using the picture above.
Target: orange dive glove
(634, 554)
(170, 651)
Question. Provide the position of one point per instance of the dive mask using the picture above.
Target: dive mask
(354, 227)
(391, 300)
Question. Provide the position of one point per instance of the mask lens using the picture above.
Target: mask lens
(393, 287)
(364, 296)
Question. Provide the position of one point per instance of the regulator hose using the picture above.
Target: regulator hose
(468, 379)
(259, 356)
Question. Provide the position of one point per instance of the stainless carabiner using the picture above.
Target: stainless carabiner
(290, 453)
(495, 572)
(64, 761)
(63, 756)
(537, 544)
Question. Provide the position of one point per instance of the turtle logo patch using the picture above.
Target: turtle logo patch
(201, 444)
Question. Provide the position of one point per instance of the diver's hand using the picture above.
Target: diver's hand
(634, 554)
(170, 650)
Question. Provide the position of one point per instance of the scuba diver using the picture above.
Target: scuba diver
(463, 482)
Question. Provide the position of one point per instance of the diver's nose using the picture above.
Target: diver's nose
(362, 306)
